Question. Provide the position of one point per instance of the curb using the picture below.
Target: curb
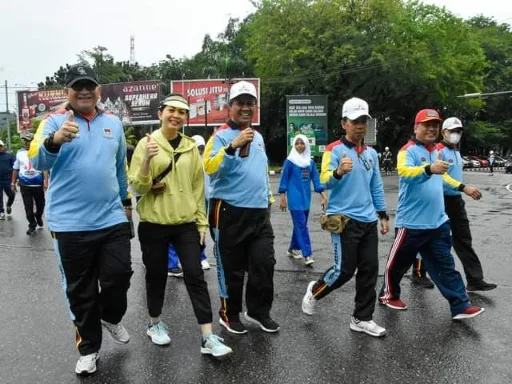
(484, 169)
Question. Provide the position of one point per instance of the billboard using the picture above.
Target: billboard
(208, 100)
(135, 103)
(36, 104)
(307, 115)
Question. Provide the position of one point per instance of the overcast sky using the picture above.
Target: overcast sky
(37, 36)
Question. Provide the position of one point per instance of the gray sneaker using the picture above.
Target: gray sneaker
(214, 345)
(87, 364)
(2, 216)
(117, 331)
(369, 327)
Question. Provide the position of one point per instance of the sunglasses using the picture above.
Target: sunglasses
(79, 85)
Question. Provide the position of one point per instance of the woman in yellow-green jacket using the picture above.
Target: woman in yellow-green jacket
(167, 172)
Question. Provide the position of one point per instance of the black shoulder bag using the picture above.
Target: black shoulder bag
(158, 187)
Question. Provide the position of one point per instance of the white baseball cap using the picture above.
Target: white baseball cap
(2, 143)
(242, 88)
(491, 152)
(199, 140)
(452, 123)
(354, 108)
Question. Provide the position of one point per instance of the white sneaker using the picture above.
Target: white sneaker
(309, 260)
(294, 253)
(369, 327)
(117, 331)
(309, 301)
(205, 264)
(214, 345)
(159, 333)
(2, 216)
(87, 364)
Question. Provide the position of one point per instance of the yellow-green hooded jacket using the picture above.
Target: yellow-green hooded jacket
(183, 199)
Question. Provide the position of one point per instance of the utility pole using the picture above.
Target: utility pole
(7, 116)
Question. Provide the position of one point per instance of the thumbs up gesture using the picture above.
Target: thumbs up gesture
(151, 148)
(439, 166)
(345, 165)
(68, 130)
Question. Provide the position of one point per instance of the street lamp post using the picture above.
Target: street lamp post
(478, 94)
(7, 115)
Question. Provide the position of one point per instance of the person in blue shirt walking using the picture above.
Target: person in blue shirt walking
(421, 224)
(299, 171)
(351, 173)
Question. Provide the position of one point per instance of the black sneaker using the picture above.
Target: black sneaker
(233, 325)
(8, 210)
(39, 221)
(31, 231)
(265, 323)
(423, 281)
(480, 286)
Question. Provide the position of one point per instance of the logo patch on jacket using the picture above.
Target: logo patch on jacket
(423, 159)
(107, 132)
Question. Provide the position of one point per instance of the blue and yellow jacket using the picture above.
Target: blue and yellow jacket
(358, 194)
(455, 171)
(241, 182)
(420, 193)
(87, 176)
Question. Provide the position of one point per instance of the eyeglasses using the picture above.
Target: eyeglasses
(365, 162)
(88, 85)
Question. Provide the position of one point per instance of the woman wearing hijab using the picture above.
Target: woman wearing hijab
(167, 172)
(295, 190)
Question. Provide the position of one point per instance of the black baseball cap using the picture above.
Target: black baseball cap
(80, 72)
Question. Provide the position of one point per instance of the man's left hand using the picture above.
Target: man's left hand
(384, 226)
(202, 238)
(128, 212)
(473, 192)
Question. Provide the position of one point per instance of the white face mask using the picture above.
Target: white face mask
(454, 138)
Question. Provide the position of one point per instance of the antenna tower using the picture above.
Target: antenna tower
(132, 49)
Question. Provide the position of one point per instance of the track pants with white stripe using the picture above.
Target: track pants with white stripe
(435, 248)
(96, 271)
(244, 242)
(355, 248)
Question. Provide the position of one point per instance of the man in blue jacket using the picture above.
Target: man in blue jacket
(456, 210)
(6, 164)
(239, 217)
(421, 224)
(351, 174)
(85, 150)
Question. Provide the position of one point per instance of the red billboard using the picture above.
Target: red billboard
(36, 104)
(208, 100)
(135, 103)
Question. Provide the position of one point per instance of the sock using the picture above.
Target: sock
(155, 320)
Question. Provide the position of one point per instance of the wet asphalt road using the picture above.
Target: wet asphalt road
(423, 344)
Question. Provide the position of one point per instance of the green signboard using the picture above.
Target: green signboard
(307, 115)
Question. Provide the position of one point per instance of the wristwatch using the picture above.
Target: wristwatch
(50, 145)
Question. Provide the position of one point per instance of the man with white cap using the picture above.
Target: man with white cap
(351, 174)
(455, 208)
(491, 163)
(239, 217)
(387, 161)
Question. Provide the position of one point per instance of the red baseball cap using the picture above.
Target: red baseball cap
(427, 115)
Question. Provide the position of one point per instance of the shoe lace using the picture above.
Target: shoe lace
(88, 358)
(216, 341)
(160, 328)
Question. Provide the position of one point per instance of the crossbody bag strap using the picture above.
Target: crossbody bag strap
(164, 173)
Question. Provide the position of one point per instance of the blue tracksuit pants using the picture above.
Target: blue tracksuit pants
(435, 247)
(300, 235)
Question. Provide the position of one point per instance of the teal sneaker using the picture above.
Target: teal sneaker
(213, 345)
(159, 333)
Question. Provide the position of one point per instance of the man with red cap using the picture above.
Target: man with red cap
(421, 224)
